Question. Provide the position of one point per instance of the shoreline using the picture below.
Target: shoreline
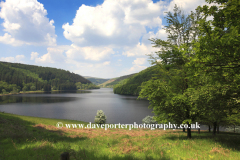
(21, 93)
(29, 92)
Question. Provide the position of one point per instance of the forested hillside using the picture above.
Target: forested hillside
(112, 82)
(119, 79)
(103, 85)
(96, 81)
(131, 85)
(15, 77)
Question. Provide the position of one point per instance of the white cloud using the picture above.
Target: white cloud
(17, 58)
(96, 31)
(7, 59)
(46, 58)
(54, 54)
(89, 52)
(161, 34)
(186, 5)
(139, 61)
(139, 50)
(106, 63)
(133, 69)
(34, 55)
(137, 66)
(96, 69)
(25, 22)
(117, 23)
(7, 39)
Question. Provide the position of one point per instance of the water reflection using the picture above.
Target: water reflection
(78, 105)
(34, 99)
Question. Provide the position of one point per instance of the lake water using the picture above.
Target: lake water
(78, 105)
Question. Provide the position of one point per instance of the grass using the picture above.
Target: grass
(24, 137)
(22, 92)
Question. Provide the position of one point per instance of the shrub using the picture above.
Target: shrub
(15, 90)
(54, 88)
(4, 91)
(24, 88)
(33, 88)
(149, 120)
(100, 118)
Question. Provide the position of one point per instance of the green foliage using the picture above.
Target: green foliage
(15, 90)
(4, 91)
(168, 105)
(86, 86)
(217, 49)
(117, 80)
(132, 85)
(233, 119)
(100, 118)
(28, 73)
(97, 81)
(7, 88)
(54, 88)
(24, 89)
(31, 78)
(33, 88)
(217, 56)
(170, 94)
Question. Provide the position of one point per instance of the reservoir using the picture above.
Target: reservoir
(78, 105)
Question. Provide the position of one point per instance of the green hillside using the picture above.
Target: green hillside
(117, 80)
(103, 85)
(131, 85)
(110, 83)
(96, 81)
(16, 77)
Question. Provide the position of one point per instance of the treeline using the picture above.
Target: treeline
(112, 82)
(132, 84)
(86, 86)
(15, 77)
(97, 81)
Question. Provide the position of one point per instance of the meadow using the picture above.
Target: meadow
(24, 137)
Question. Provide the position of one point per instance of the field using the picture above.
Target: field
(23, 137)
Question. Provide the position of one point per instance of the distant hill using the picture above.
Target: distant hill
(95, 80)
(110, 83)
(103, 85)
(131, 85)
(22, 77)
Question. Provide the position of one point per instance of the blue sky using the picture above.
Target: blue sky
(98, 38)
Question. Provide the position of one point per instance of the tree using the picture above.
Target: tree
(167, 95)
(213, 104)
(33, 88)
(14, 90)
(100, 118)
(149, 120)
(4, 91)
(217, 52)
(24, 88)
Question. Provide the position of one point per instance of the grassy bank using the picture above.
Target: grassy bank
(22, 92)
(28, 92)
(23, 137)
